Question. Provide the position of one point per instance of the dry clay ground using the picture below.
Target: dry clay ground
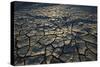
(45, 34)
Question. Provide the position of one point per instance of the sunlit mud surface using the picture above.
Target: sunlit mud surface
(53, 33)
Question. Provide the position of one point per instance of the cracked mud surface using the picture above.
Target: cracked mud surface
(46, 33)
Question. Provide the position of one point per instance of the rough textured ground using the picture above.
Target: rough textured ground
(53, 33)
